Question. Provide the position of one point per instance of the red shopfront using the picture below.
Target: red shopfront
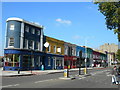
(70, 60)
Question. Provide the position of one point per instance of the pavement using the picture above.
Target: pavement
(35, 72)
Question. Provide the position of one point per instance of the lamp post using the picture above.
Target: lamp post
(80, 57)
(85, 70)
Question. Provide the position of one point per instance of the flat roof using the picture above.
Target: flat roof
(22, 20)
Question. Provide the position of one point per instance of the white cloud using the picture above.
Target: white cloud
(63, 21)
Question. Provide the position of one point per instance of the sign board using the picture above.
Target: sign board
(46, 44)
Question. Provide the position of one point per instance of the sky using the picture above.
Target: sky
(76, 22)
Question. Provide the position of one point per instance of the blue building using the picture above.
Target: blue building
(24, 45)
(80, 53)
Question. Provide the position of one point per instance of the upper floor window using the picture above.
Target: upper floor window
(27, 29)
(37, 32)
(37, 45)
(59, 49)
(66, 50)
(12, 26)
(49, 48)
(11, 42)
(33, 31)
(26, 44)
(31, 44)
(54, 49)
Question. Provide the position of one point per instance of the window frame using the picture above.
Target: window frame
(33, 30)
(12, 27)
(10, 41)
(27, 28)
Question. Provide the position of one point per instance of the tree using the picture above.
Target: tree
(118, 54)
(111, 11)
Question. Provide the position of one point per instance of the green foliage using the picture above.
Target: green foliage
(111, 11)
(118, 54)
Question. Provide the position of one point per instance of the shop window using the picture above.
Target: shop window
(37, 61)
(49, 62)
(12, 60)
(11, 42)
(32, 62)
(74, 63)
(12, 26)
(57, 62)
(26, 28)
(65, 63)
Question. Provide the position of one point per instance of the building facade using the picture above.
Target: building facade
(80, 53)
(24, 45)
(110, 50)
(27, 48)
(54, 53)
(89, 56)
(70, 55)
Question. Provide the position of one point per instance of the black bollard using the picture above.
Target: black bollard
(18, 70)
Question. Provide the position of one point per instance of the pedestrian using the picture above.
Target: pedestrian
(114, 75)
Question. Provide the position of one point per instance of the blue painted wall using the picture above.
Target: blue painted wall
(13, 33)
(78, 49)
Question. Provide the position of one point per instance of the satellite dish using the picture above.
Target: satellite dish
(46, 44)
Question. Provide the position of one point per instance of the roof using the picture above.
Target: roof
(22, 20)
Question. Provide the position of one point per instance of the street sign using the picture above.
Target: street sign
(46, 44)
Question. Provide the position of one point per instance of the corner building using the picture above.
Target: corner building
(24, 45)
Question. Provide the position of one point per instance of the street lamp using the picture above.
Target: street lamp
(85, 70)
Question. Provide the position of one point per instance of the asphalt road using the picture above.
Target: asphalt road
(100, 78)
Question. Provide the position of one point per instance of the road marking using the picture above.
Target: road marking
(10, 85)
(44, 80)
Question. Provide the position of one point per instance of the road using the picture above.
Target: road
(100, 78)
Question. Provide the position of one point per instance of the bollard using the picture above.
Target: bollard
(85, 71)
(18, 70)
(65, 73)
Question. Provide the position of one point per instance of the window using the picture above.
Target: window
(54, 49)
(49, 48)
(26, 44)
(12, 26)
(31, 44)
(27, 29)
(33, 31)
(59, 49)
(37, 45)
(11, 42)
(37, 32)
(32, 62)
(49, 63)
(66, 49)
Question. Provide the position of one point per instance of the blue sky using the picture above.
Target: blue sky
(69, 21)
